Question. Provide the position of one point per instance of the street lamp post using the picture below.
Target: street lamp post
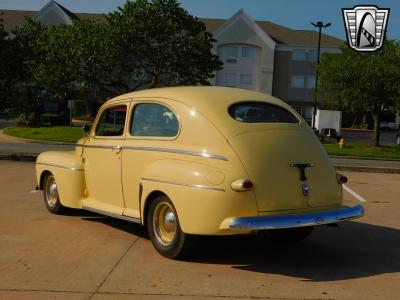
(319, 25)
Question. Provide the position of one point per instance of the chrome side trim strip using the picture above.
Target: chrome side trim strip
(122, 217)
(169, 150)
(58, 166)
(292, 221)
(197, 186)
(177, 151)
(100, 147)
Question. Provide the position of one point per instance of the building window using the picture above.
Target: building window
(312, 55)
(297, 81)
(231, 51)
(308, 112)
(246, 79)
(247, 52)
(230, 79)
(299, 54)
(310, 82)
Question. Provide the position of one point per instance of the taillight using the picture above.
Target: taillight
(242, 185)
(341, 179)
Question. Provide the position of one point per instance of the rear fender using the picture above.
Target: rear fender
(201, 194)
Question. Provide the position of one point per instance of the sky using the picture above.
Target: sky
(290, 13)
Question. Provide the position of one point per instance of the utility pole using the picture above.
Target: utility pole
(319, 25)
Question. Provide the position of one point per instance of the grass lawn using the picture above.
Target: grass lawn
(58, 134)
(363, 150)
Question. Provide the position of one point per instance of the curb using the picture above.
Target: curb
(367, 169)
(356, 129)
(18, 157)
(364, 158)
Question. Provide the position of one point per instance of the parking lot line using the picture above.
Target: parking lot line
(354, 194)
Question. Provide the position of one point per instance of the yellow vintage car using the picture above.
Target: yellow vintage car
(187, 161)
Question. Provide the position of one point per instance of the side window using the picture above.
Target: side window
(151, 119)
(112, 121)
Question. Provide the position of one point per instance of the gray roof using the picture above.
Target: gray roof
(280, 34)
(284, 35)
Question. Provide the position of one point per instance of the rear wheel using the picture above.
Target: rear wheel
(164, 229)
(51, 196)
(290, 235)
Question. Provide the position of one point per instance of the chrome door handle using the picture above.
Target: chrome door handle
(117, 148)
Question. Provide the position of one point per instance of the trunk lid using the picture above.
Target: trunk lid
(267, 155)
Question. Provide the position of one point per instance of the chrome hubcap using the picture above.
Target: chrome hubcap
(164, 223)
(51, 192)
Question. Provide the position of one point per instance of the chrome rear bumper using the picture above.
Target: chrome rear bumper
(292, 221)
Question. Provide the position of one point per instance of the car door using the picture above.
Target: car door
(102, 160)
(153, 126)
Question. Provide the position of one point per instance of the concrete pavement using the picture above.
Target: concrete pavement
(6, 123)
(86, 256)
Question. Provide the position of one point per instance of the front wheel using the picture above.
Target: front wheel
(164, 229)
(51, 197)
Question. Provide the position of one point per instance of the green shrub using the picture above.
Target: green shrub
(50, 119)
(26, 120)
(22, 121)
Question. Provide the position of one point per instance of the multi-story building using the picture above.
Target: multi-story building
(257, 55)
(266, 57)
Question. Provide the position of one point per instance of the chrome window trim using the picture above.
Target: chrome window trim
(58, 166)
(108, 137)
(197, 186)
(109, 214)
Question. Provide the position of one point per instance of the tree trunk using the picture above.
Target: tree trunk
(376, 133)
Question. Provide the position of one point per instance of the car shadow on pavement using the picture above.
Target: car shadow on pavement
(132, 228)
(352, 250)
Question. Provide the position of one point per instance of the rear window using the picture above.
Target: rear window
(259, 112)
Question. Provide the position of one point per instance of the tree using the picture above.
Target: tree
(94, 57)
(362, 81)
(160, 43)
(13, 71)
(142, 45)
(3, 35)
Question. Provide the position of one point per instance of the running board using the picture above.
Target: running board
(108, 214)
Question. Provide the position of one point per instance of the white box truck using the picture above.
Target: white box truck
(326, 120)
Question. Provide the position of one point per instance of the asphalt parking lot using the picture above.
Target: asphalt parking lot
(86, 256)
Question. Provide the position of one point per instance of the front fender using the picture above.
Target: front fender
(67, 168)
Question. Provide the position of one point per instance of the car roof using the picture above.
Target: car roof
(210, 101)
(203, 98)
